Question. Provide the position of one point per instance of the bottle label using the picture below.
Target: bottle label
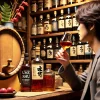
(49, 53)
(43, 53)
(47, 3)
(47, 27)
(40, 30)
(34, 31)
(33, 53)
(68, 23)
(88, 49)
(25, 77)
(54, 26)
(63, 2)
(75, 23)
(37, 71)
(40, 6)
(34, 7)
(73, 51)
(80, 49)
(61, 24)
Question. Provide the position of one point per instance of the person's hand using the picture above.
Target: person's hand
(63, 57)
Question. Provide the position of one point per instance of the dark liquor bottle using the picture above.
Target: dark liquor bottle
(55, 3)
(61, 21)
(47, 4)
(71, 1)
(47, 25)
(55, 22)
(80, 50)
(37, 67)
(50, 51)
(40, 26)
(49, 79)
(33, 55)
(56, 47)
(25, 75)
(88, 51)
(40, 5)
(34, 27)
(63, 2)
(68, 21)
(43, 48)
(34, 6)
(73, 49)
(75, 23)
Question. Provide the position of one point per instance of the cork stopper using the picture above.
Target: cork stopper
(62, 11)
(48, 16)
(48, 66)
(55, 12)
(41, 16)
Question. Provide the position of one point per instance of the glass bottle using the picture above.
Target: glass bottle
(34, 27)
(80, 70)
(55, 22)
(37, 67)
(68, 21)
(63, 2)
(49, 79)
(25, 75)
(47, 4)
(40, 26)
(40, 5)
(34, 6)
(50, 51)
(55, 3)
(33, 55)
(71, 1)
(73, 48)
(75, 23)
(43, 48)
(47, 25)
(61, 21)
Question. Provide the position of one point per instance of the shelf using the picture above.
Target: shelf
(52, 34)
(72, 61)
(22, 31)
(58, 8)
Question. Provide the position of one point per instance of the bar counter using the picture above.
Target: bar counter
(62, 93)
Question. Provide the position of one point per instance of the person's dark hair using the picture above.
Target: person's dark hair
(89, 13)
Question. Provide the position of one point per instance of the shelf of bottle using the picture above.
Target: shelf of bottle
(58, 8)
(52, 34)
(22, 31)
(72, 61)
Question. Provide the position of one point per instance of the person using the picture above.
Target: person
(88, 16)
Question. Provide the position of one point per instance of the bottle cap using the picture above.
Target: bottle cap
(41, 16)
(48, 65)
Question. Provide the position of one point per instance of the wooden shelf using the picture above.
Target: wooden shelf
(58, 8)
(22, 31)
(72, 61)
(53, 34)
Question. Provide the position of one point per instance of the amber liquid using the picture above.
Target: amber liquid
(49, 83)
(65, 44)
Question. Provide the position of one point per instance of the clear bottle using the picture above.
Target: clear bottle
(68, 21)
(34, 27)
(61, 25)
(55, 22)
(47, 4)
(71, 1)
(50, 50)
(55, 3)
(49, 79)
(34, 6)
(37, 67)
(47, 25)
(40, 26)
(25, 75)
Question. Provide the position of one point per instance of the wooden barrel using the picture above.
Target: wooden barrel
(11, 48)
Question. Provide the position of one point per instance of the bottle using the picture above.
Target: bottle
(40, 26)
(56, 47)
(47, 4)
(61, 21)
(47, 25)
(55, 3)
(40, 5)
(63, 2)
(34, 27)
(37, 67)
(49, 79)
(55, 22)
(78, 1)
(80, 70)
(25, 75)
(50, 51)
(24, 23)
(75, 23)
(43, 48)
(71, 1)
(88, 51)
(33, 55)
(34, 6)
(68, 21)
(73, 48)
(80, 50)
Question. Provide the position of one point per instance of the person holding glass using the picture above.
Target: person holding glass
(88, 16)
